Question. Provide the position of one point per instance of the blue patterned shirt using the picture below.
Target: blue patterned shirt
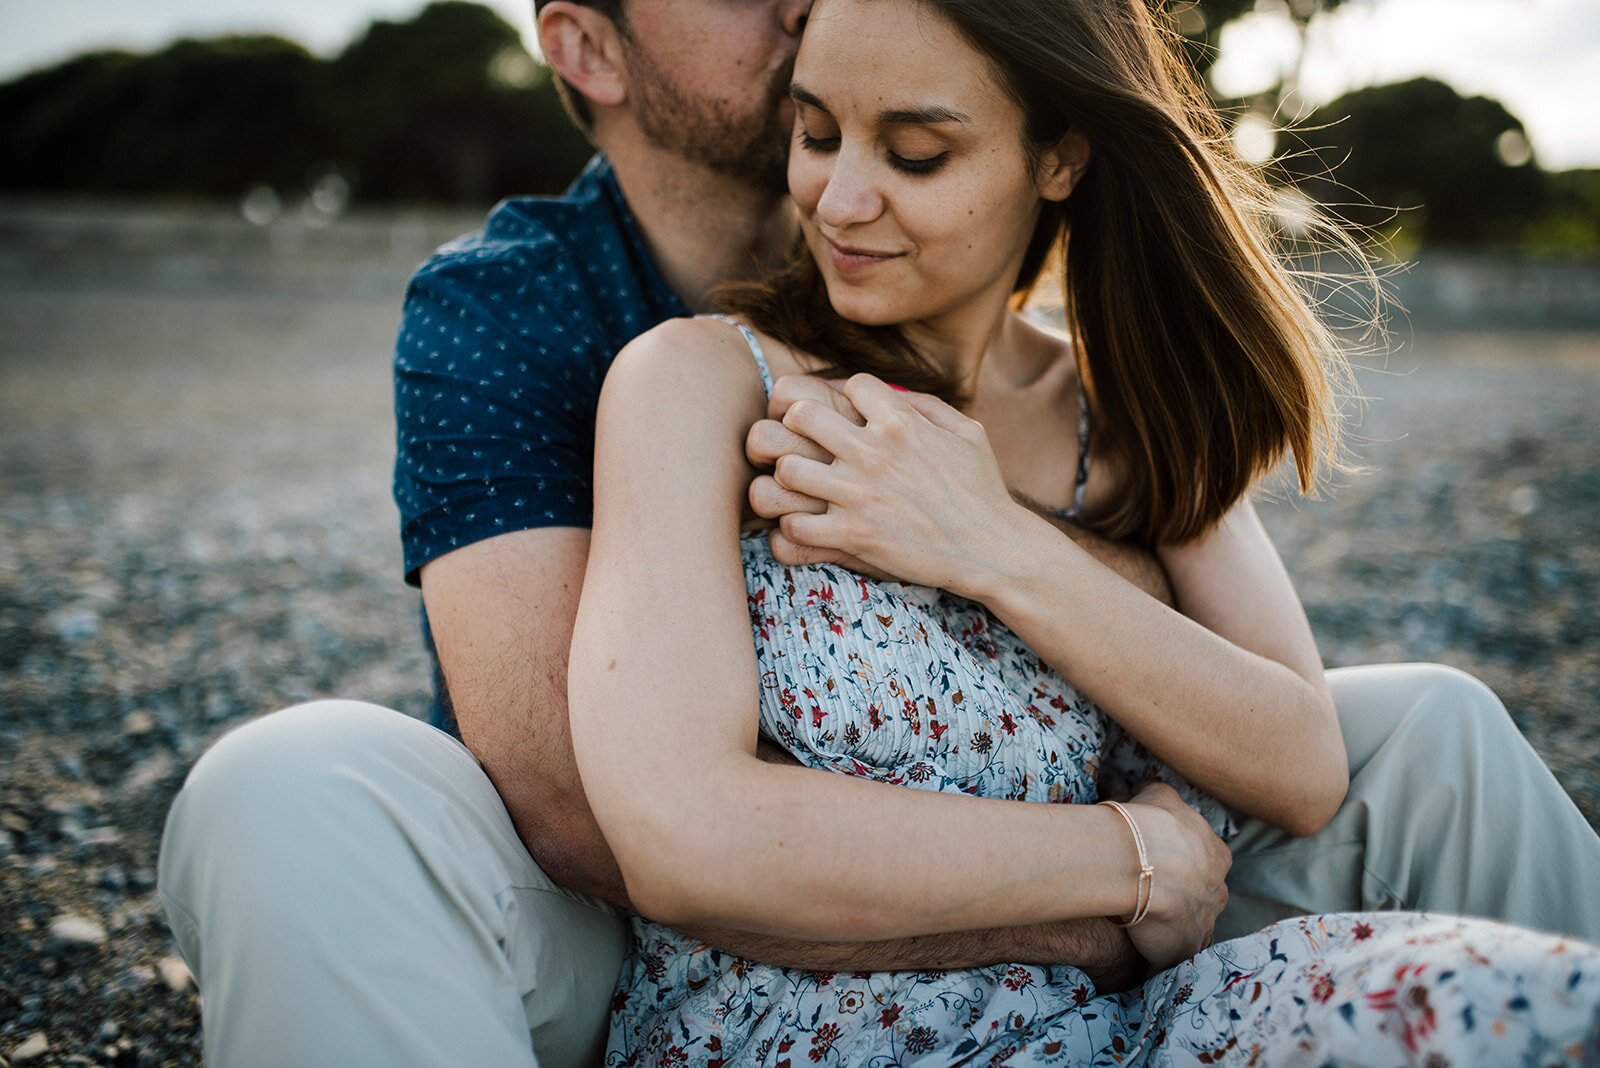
(506, 337)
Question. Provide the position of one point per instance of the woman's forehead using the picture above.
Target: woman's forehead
(893, 58)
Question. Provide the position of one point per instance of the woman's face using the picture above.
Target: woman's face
(915, 194)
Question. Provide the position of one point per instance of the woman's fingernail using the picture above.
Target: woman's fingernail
(902, 389)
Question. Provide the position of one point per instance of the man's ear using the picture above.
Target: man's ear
(1063, 164)
(583, 46)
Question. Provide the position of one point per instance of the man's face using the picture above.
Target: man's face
(709, 81)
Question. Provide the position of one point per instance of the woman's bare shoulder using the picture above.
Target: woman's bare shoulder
(674, 410)
(702, 359)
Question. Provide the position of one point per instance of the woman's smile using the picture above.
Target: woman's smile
(850, 259)
(908, 152)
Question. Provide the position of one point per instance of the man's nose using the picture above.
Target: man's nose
(792, 14)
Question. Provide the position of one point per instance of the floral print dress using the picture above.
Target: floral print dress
(921, 688)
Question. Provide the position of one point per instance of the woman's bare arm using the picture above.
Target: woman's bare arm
(502, 613)
(1229, 691)
(663, 691)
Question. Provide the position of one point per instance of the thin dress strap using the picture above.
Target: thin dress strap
(751, 340)
(1081, 486)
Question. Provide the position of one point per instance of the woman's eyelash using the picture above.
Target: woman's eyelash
(926, 165)
(817, 144)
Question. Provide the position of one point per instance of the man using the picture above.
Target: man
(347, 884)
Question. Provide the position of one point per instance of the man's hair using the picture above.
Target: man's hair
(577, 104)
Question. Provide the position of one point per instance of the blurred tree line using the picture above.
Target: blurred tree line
(446, 107)
(1408, 163)
(449, 107)
(1417, 162)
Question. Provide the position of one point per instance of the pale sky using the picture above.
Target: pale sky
(1541, 58)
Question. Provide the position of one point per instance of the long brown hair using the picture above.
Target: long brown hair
(1202, 360)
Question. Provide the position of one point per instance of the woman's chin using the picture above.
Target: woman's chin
(864, 309)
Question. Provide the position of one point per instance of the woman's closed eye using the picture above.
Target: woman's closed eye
(818, 144)
(923, 165)
(908, 164)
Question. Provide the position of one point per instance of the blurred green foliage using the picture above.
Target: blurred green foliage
(1419, 149)
(446, 107)
(1571, 219)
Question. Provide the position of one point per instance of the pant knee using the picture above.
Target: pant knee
(1449, 705)
(280, 757)
(272, 790)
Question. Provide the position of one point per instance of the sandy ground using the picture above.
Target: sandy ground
(195, 528)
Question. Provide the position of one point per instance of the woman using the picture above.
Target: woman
(941, 149)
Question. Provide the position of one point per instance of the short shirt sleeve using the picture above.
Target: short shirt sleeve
(497, 378)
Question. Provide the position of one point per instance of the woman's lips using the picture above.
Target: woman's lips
(848, 259)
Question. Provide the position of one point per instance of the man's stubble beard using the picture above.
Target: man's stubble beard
(752, 146)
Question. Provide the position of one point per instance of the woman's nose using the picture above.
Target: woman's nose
(850, 195)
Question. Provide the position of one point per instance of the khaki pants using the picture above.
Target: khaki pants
(348, 889)
(1449, 810)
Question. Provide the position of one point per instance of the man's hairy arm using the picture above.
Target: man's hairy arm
(1133, 562)
(501, 611)
(1097, 946)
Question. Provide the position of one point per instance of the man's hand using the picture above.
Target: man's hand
(773, 438)
(1189, 888)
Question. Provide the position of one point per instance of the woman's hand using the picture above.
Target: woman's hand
(1188, 889)
(886, 481)
(769, 439)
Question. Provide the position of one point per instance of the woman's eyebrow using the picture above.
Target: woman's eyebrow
(931, 115)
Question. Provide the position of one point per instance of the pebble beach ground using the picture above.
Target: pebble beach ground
(195, 528)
